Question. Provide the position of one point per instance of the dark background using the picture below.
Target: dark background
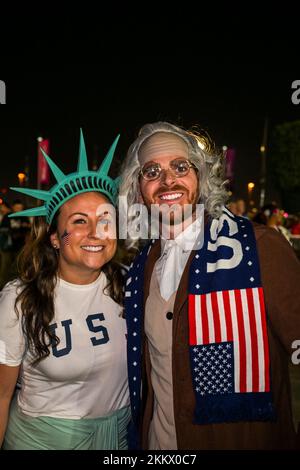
(111, 70)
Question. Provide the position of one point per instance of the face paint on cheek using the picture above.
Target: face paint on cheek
(65, 238)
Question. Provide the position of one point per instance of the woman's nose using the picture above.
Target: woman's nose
(93, 233)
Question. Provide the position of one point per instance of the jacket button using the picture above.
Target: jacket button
(169, 315)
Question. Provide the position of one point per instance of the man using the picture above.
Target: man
(241, 207)
(211, 317)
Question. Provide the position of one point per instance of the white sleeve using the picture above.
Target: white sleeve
(12, 342)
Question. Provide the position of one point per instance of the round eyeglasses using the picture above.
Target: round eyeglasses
(179, 167)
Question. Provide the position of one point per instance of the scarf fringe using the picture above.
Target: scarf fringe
(234, 408)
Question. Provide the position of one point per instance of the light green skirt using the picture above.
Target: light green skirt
(28, 433)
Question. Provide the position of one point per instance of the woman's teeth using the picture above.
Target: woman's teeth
(92, 248)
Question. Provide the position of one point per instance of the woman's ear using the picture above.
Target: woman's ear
(55, 241)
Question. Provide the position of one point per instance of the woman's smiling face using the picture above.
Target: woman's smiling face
(85, 237)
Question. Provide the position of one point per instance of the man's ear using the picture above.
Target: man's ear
(55, 240)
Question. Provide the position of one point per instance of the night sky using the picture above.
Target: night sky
(113, 71)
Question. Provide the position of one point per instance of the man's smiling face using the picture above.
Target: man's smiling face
(162, 148)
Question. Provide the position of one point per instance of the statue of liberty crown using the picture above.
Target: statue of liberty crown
(71, 185)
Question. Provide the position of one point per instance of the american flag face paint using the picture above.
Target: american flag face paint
(65, 238)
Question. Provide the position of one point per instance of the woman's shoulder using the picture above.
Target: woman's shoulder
(8, 315)
(11, 290)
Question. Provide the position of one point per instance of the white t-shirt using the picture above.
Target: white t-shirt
(85, 375)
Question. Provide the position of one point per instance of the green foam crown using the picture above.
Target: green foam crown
(71, 185)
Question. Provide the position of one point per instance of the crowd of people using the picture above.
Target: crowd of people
(271, 215)
(188, 348)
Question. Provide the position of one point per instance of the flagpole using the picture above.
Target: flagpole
(263, 170)
(39, 139)
(43, 174)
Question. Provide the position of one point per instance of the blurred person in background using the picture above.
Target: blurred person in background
(276, 219)
(295, 229)
(17, 230)
(241, 208)
(4, 208)
(232, 206)
(6, 244)
(238, 207)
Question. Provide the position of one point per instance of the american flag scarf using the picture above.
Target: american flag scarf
(228, 340)
(229, 352)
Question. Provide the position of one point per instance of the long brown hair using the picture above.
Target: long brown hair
(38, 270)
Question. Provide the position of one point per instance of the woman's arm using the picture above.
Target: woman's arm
(8, 380)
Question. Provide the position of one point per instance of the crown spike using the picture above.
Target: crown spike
(82, 160)
(40, 210)
(70, 185)
(59, 175)
(37, 193)
(105, 166)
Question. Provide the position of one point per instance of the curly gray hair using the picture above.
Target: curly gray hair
(202, 153)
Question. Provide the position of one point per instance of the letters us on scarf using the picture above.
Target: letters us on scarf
(229, 353)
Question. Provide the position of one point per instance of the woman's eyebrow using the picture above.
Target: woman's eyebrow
(78, 213)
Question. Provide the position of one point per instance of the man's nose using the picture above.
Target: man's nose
(167, 176)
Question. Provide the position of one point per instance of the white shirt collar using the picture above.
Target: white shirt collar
(187, 239)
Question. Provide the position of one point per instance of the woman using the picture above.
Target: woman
(61, 325)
